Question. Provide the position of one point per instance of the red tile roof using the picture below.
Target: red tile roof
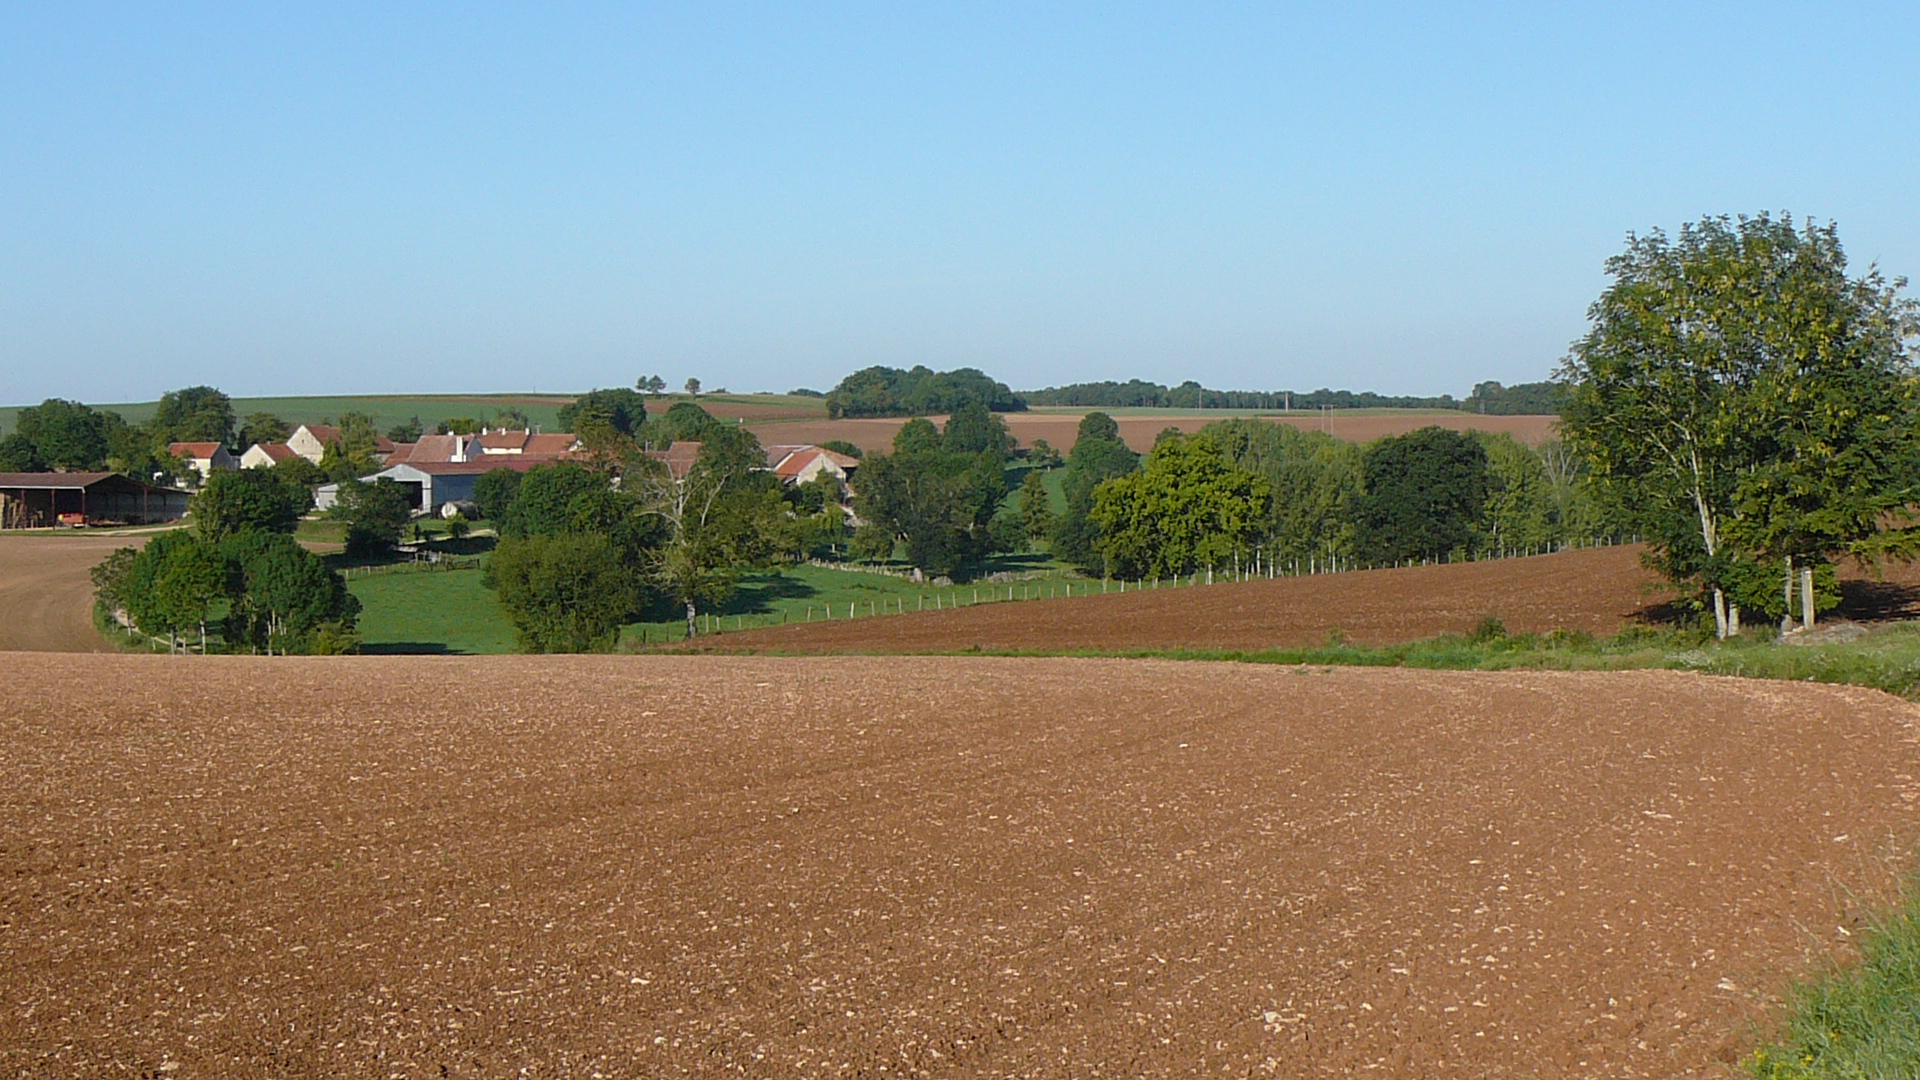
(277, 451)
(193, 449)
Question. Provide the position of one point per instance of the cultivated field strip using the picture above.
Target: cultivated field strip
(656, 866)
(1595, 590)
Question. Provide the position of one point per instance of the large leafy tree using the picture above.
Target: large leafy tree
(172, 585)
(1098, 455)
(248, 500)
(1189, 508)
(937, 502)
(617, 410)
(563, 593)
(64, 434)
(282, 595)
(726, 516)
(1742, 402)
(1426, 495)
(375, 512)
(972, 429)
(263, 427)
(194, 414)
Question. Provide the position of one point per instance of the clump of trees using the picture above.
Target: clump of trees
(59, 434)
(237, 572)
(376, 512)
(936, 495)
(1750, 408)
(918, 391)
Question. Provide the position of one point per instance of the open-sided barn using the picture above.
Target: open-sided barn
(45, 499)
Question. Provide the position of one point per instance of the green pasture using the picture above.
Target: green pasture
(388, 410)
(408, 610)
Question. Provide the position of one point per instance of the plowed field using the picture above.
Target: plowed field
(629, 867)
(1597, 590)
(1060, 430)
(46, 597)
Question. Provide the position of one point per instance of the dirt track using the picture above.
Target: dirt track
(1598, 590)
(46, 597)
(1139, 431)
(941, 867)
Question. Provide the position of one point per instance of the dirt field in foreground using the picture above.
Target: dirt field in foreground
(1598, 590)
(1061, 430)
(46, 597)
(654, 866)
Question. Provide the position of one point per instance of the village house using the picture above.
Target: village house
(266, 455)
(205, 457)
(310, 441)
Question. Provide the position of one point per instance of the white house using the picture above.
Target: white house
(205, 457)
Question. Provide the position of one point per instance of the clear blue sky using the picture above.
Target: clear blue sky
(392, 197)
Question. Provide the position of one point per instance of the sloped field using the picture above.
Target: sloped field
(1596, 590)
(655, 866)
(46, 595)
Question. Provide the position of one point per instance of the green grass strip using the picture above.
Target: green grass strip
(1861, 1022)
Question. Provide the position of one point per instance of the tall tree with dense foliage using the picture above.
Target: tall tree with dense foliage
(618, 410)
(284, 598)
(1426, 496)
(248, 500)
(1189, 508)
(1036, 511)
(194, 414)
(494, 492)
(172, 585)
(1742, 403)
(1098, 455)
(376, 512)
(972, 429)
(64, 434)
(262, 427)
(938, 502)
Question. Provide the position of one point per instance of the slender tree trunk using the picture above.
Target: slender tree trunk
(1719, 613)
(692, 630)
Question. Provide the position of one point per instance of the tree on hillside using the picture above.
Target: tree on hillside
(284, 599)
(683, 422)
(693, 387)
(18, 454)
(262, 427)
(194, 414)
(299, 471)
(652, 385)
(842, 446)
(1743, 403)
(1189, 508)
(407, 431)
(1426, 495)
(1521, 509)
(1097, 456)
(917, 436)
(248, 500)
(939, 503)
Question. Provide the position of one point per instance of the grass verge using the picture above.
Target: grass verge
(1861, 1022)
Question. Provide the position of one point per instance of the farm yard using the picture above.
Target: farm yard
(934, 866)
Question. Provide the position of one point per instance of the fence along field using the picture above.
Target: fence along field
(709, 865)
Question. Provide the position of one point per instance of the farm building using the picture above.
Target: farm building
(310, 441)
(801, 464)
(431, 485)
(42, 500)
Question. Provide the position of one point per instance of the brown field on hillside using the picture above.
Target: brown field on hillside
(1060, 430)
(635, 867)
(1596, 590)
(46, 597)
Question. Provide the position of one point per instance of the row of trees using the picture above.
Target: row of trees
(1243, 490)
(1540, 398)
(237, 572)
(60, 434)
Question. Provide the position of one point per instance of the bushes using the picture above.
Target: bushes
(566, 593)
(375, 514)
(248, 500)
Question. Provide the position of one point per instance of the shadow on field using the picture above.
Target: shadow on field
(410, 648)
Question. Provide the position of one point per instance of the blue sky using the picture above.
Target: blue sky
(386, 197)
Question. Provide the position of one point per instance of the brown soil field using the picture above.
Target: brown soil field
(628, 867)
(46, 597)
(1060, 430)
(1596, 590)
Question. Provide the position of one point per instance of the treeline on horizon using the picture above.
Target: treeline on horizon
(1491, 398)
(920, 391)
